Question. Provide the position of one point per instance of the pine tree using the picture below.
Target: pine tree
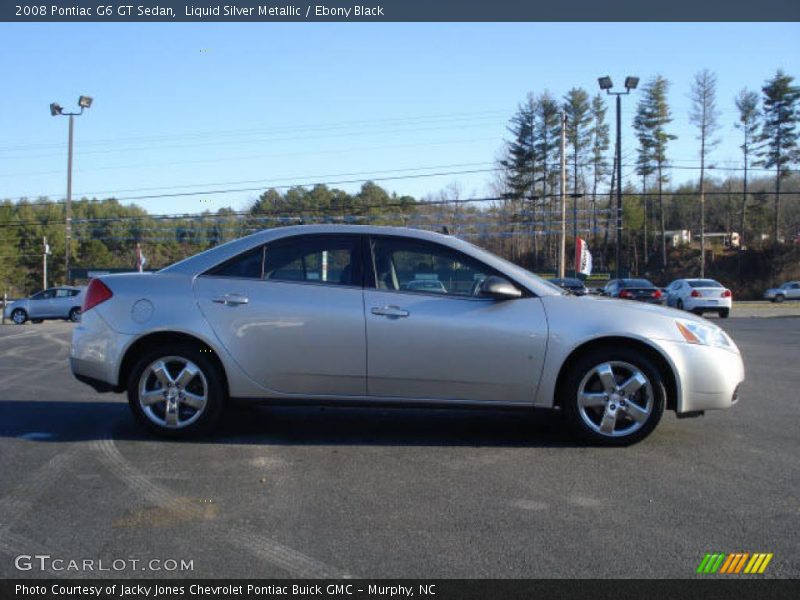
(704, 115)
(546, 149)
(652, 116)
(599, 134)
(578, 112)
(779, 134)
(749, 123)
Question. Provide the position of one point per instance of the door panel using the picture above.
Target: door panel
(292, 316)
(290, 338)
(454, 348)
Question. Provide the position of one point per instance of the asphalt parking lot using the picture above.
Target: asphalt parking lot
(308, 492)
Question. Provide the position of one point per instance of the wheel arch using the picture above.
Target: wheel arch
(161, 339)
(660, 361)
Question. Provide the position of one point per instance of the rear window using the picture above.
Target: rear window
(704, 283)
(637, 283)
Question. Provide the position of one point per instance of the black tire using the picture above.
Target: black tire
(779, 298)
(75, 314)
(37, 321)
(19, 316)
(697, 312)
(679, 305)
(724, 313)
(584, 368)
(214, 383)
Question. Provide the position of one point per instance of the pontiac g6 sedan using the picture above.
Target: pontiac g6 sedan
(325, 314)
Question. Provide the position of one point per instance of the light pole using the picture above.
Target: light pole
(57, 111)
(630, 84)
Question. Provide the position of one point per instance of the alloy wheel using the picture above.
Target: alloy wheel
(173, 392)
(615, 399)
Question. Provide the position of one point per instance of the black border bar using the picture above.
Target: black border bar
(713, 588)
(398, 10)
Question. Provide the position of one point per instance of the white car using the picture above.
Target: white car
(699, 296)
(788, 291)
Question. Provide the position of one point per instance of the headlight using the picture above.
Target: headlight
(703, 333)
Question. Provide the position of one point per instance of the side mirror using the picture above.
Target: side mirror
(499, 288)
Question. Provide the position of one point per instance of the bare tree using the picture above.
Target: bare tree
(704, 115)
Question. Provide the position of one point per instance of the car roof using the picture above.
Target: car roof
(203, 261)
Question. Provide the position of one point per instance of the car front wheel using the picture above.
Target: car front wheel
(75, 315)
(613, 396)
(19, 316)
(779, 298)
(176, 392)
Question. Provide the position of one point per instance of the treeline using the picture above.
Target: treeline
(105, 232)
(767, 121)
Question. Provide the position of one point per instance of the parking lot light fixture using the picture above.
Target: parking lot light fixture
(630, 84)
(57, 111)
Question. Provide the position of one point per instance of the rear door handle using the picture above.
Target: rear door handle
(389, 311)
(231, 299)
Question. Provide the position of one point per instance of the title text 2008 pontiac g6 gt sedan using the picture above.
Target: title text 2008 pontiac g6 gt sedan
(357, 314)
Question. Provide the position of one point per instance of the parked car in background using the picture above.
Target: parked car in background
(700, 296)
(323, 313)
(53, 303)
(634, 289)
(788, 291)
(571, 284)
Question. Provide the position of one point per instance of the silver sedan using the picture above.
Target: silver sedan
(325, 314)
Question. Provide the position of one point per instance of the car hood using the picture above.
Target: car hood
(577, 319)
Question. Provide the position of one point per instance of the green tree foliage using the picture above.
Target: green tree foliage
(579, 138)
(600, 142)
(779, 134)
(749, 123)
(652, 117)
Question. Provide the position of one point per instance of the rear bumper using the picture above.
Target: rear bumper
(707, 303)
(96, 352)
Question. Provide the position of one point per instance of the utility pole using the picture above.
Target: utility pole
(68, 219)
(563, 250)
(45, 252)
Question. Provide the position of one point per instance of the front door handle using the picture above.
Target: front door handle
(231, 299)
(389, 311)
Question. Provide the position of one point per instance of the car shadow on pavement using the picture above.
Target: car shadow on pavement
(71, 421)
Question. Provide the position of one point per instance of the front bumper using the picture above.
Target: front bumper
(709, 376)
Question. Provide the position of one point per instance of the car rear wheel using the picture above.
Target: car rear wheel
(75, 315)
(613, 396)
(19, 316)
(679, 305)
(724, 313)
(176, 392)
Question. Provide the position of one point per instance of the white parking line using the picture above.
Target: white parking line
(294, 562)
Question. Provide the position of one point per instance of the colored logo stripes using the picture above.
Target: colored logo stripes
(734, 563)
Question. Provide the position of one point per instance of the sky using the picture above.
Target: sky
(187, 108)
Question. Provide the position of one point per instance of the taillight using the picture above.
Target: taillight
(625, 294)
(695, 294)
(97, 293)
(657, 294)
(726, 294)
